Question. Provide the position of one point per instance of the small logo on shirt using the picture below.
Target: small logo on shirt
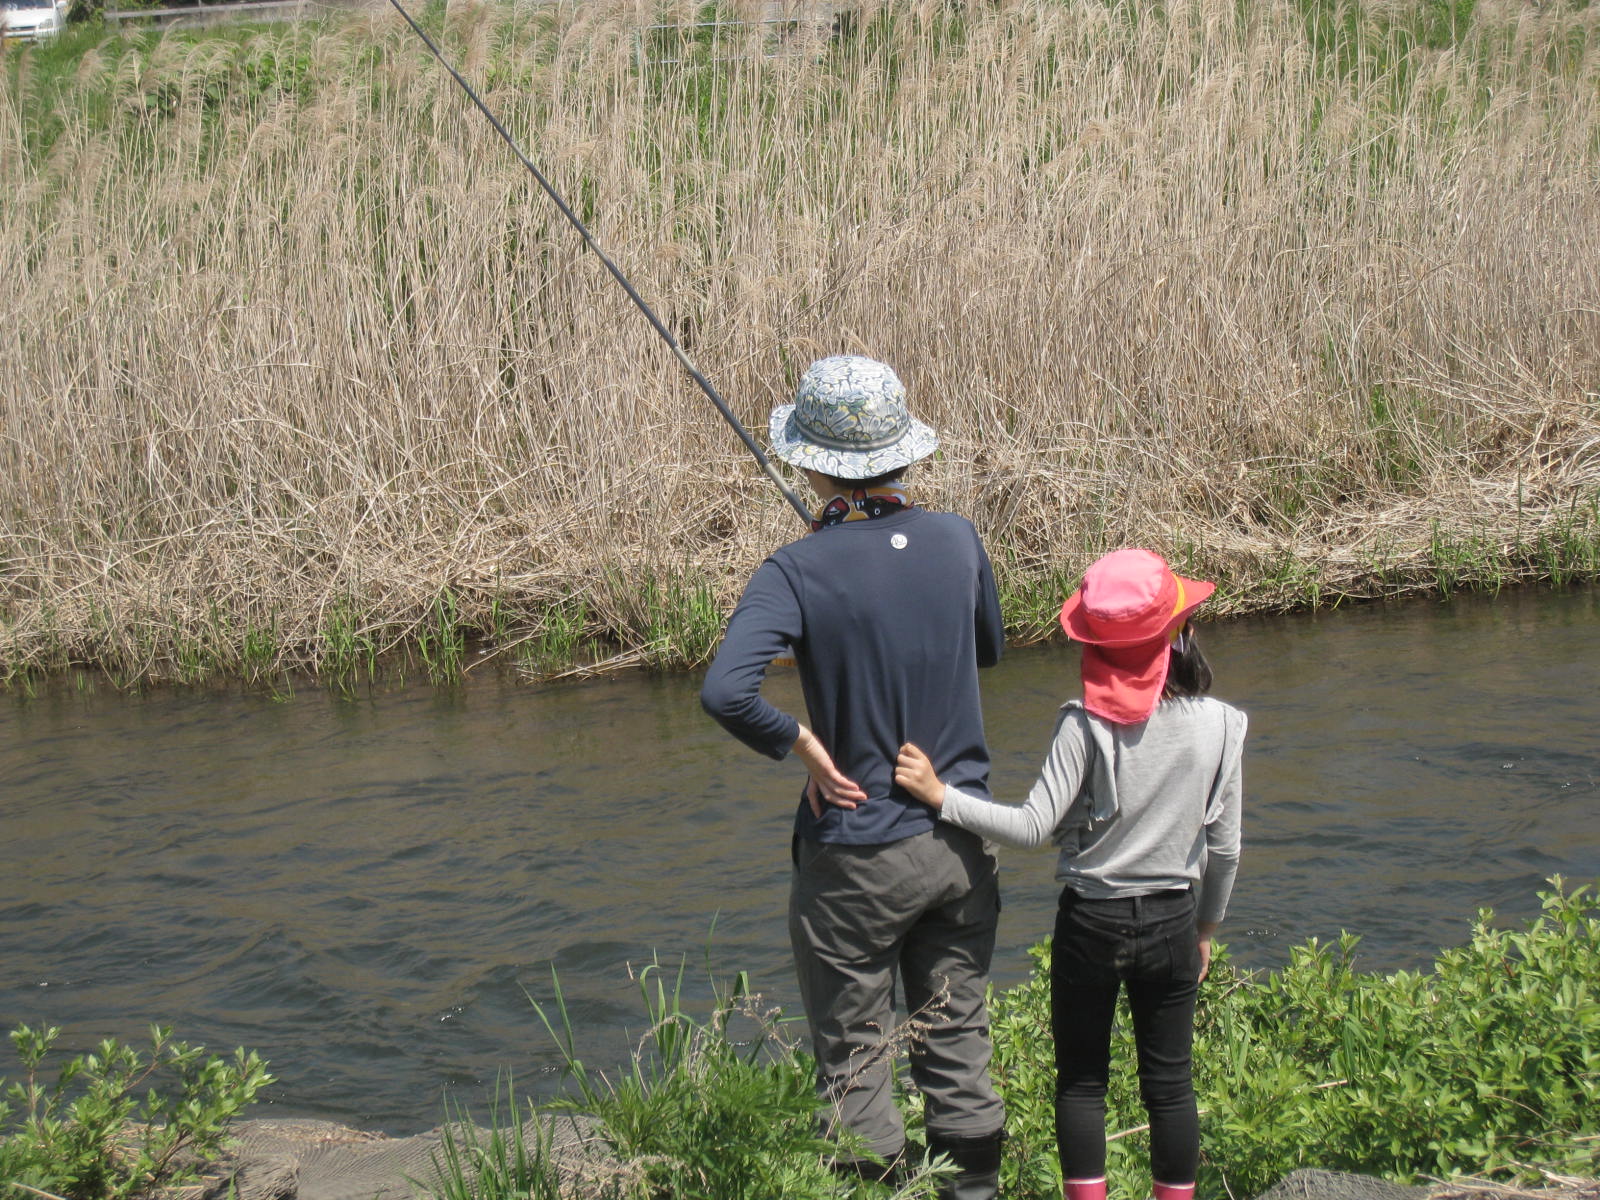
(898, 541)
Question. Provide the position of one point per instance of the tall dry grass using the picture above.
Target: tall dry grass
(295, 348)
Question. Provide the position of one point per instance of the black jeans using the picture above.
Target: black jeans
(1151, 944)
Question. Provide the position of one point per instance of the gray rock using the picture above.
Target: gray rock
(1337, 1185)
(269, 1177)
(318, 1160)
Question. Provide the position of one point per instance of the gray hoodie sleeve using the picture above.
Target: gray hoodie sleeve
(1222, 820)
(1052, 798)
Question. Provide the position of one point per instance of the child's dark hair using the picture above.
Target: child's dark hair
(1188, 672)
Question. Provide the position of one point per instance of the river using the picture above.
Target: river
(369, 891)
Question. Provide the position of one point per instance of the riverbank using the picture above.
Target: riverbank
(304, 375)
(1481, 1067)
(312, 1160)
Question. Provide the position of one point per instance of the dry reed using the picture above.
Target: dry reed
(296, 349)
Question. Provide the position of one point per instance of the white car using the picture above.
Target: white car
(32, 19)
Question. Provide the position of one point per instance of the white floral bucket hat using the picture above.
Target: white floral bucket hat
(849, 420)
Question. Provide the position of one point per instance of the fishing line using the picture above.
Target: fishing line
(588, 240)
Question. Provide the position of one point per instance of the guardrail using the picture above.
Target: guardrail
(791, 27)
(204, 14)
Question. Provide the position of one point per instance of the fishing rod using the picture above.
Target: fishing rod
(588, 240)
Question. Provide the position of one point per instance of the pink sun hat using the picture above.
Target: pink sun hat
(1130, 604)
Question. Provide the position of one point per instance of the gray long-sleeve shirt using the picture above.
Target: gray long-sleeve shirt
(1135, 809)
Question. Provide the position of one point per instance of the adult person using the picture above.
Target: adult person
(889, 609)
(1141, 791)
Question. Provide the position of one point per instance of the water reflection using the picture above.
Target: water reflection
(368, 892)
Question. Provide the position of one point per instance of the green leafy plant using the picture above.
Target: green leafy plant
(102, 1131)
(720, 1109)
(1488, 1064)
(1023, 1068)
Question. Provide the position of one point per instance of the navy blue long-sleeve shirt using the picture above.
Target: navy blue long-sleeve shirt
(890, 620)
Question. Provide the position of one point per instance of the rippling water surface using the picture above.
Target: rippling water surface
(368, 892)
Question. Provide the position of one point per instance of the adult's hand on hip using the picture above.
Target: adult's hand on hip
(827, 784)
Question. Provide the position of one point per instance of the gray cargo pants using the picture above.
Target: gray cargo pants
(927, 906)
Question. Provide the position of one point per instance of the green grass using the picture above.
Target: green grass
(441, 642)
(559, 640)
(722, 1108)
(347, 650)
(1485, 1065)
(1488, 1064)
(510, 1160)
(1031, 599)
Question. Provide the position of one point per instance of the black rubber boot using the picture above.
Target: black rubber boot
(977, 1162)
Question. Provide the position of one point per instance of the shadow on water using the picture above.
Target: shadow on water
(368, 892)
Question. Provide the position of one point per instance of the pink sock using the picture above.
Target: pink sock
(1173, 1191)
(1084, 1189)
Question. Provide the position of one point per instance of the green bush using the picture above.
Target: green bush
(1487, 1064)
(92, 1136)
(724, 1109)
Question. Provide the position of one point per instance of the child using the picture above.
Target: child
(1141, 790)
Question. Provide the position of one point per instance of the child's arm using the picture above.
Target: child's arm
(1222, 822)
(1207, 930)
(913, 770)
(1022, 825)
